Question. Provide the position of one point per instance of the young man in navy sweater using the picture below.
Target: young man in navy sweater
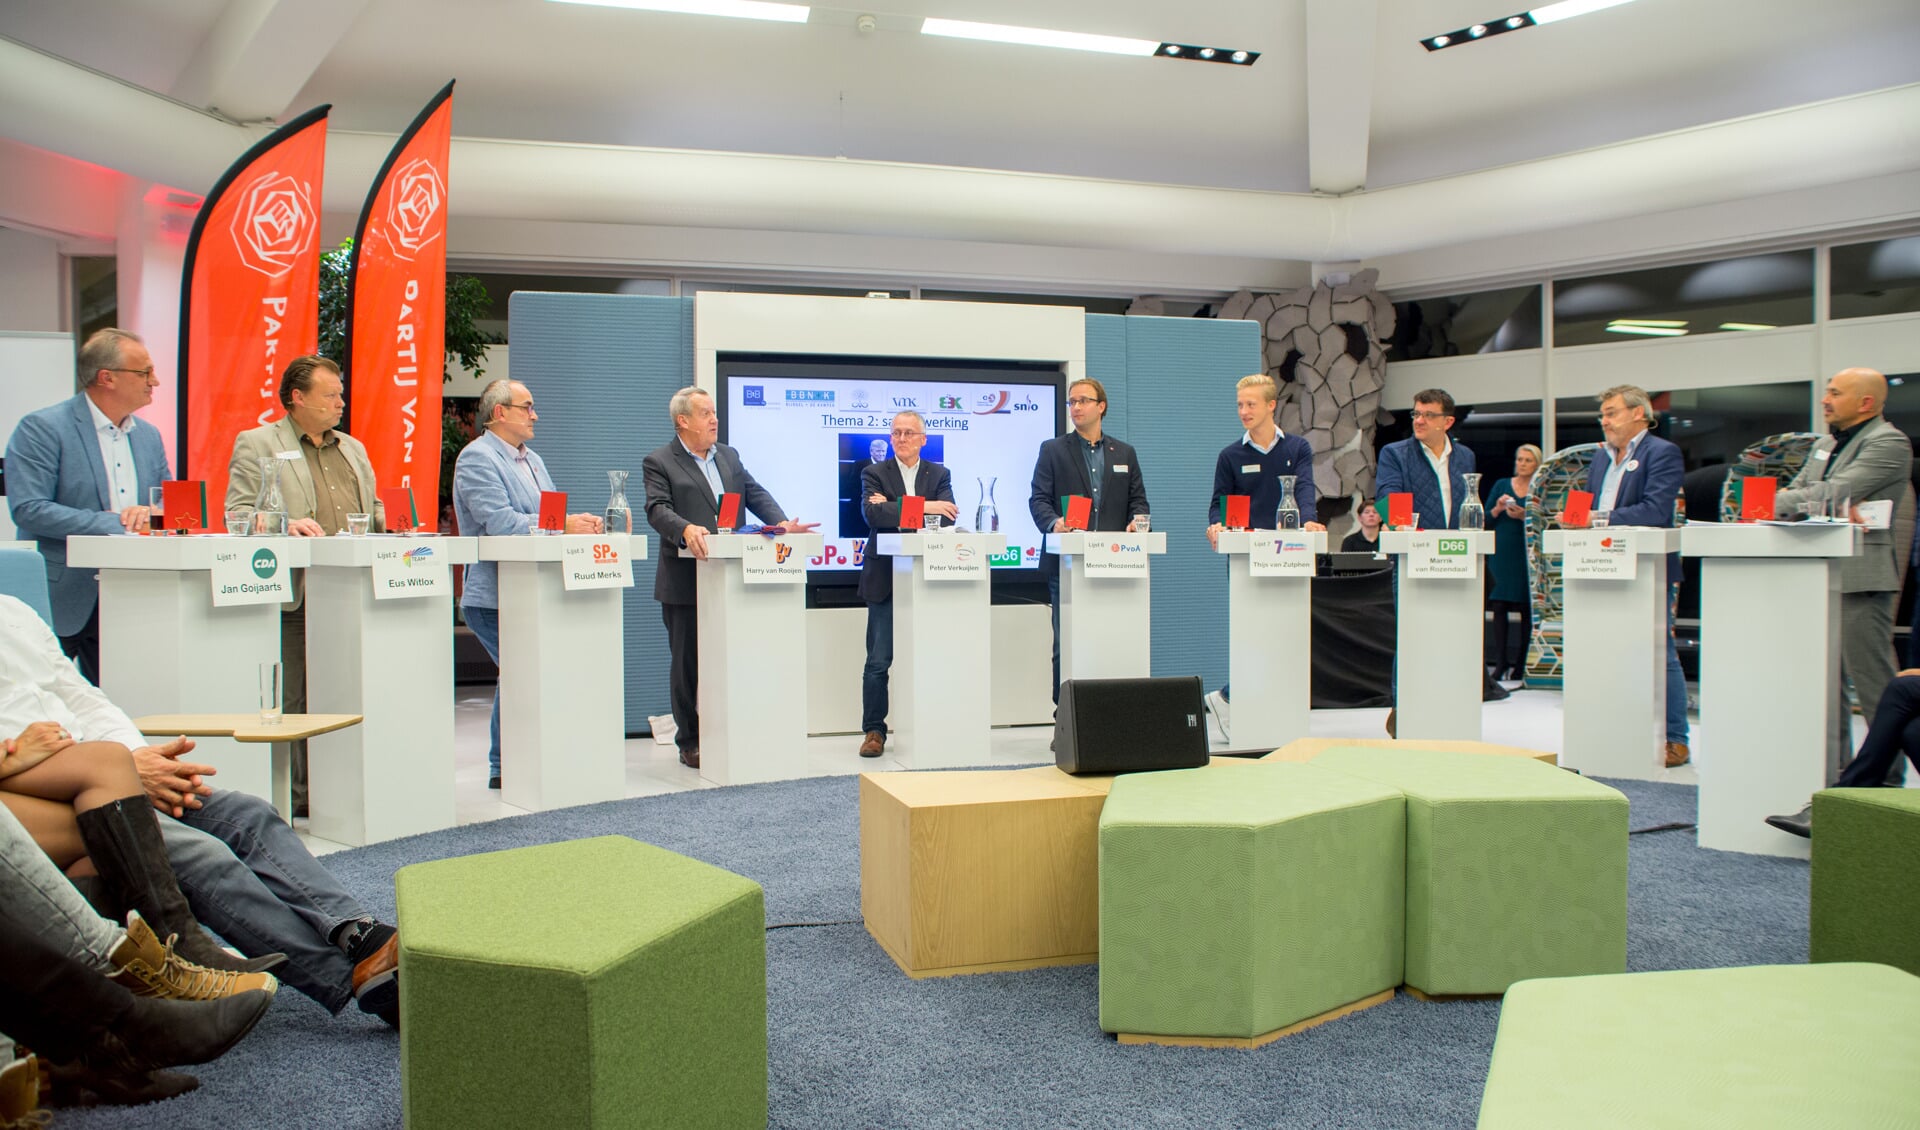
(1253, 467)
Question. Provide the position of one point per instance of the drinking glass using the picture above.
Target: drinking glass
(270, 694)
(1598, 519)
(1815, 496)
(239, 523)
(359, 524)
(930, 521)
(156, 505)
(1839, 502)
(1413, 521)
(1142, 523)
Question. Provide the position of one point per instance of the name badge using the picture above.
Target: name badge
(1633, 464)
(1119, 468)
(1249, 468)
(1822, 455)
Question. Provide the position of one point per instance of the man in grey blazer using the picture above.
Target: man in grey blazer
(684, 481)
(324, 476)
(496, 491)
(84, 466)
(1870, 460)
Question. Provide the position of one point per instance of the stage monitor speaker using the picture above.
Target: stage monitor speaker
(1130, 725)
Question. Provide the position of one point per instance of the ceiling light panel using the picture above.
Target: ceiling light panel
(738, 9)
(1040, 37)
(1551, 13)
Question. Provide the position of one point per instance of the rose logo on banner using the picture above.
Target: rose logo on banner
(264, 563)
(274, 224)
(419, 194)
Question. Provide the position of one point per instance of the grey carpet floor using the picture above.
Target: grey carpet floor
(853, 1042)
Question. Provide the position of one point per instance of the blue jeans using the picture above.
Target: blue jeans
(485, 623)
(1676, 678)
(250, 880)
(873, 677)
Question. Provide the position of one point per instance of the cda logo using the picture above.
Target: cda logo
(1451, 547)
(264, 563)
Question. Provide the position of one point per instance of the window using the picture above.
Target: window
(1490, 321)
(1876, 278)
(1758, 292)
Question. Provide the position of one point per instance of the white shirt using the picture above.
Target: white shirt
(1439, 463)
(39, 684)
(116, 454)
(909, 475)
(1616, 471)
(1278, 435)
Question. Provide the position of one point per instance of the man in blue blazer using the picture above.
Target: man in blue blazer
(882, 486)
(496, 491)
(684, 480)
(1086, 463)
(1430, 466)
(84, 466)
(1636, 479)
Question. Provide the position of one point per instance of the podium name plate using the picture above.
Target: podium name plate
(249, 574)
(770, 561)
(1119, 555)
(1441, 554)
(595, 565)
(404, 570)
(1600, 555)
(949, 558)
(1273, 553)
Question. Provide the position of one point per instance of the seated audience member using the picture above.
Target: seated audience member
(1895, 731)
(1366, 539)
(240, 868)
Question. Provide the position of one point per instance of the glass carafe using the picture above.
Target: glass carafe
(986, 518)
(1288, 516)
(619, 514)
(1473, 516)
(270, 506)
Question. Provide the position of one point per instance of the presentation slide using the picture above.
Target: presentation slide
(807, 434)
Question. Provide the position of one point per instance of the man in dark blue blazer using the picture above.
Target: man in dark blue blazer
(1636, 478)
(84, 466)
(1087, 463)
(882, 486)
(1430, 466)
(684, 481)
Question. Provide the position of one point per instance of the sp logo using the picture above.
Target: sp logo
(781, 551)
(274, 223)
(604, 554)
(416, 208)
(264, 563)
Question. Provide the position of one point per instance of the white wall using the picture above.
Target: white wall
(30, 282)
(36, 369)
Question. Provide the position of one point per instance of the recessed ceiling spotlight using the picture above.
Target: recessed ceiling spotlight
(1195, 53)
(1173, 48)
(1239, 56)
(1551, 13)
(1515, 21)
(1441, 41)
(1477, 30)
(1206, 52)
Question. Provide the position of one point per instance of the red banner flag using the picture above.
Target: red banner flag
(397, 310)
(250, 293)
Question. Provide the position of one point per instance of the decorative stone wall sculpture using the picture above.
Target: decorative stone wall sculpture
(1325, 347)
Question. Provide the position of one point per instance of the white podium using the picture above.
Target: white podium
(753, 657)
(1441, 636)
(1269, 637)
(941, 686)
(166, 649)
(390, 661)
(1106, 606)
(563, 695)
(1769, 674)
(1615, 663)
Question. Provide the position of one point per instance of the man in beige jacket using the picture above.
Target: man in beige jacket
(324, 476)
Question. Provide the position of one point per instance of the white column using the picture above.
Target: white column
(1269, 645)
(1615, 660)
(941, 685)
(753, 665)
(1441, 637)
(1106, 624)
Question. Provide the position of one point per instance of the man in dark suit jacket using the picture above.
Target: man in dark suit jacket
(1084, 462)
(1415, 465)
(882, 485)
(84, 466)
(1636, 477)
(684, 481)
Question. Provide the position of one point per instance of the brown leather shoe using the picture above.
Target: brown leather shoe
(1677, 754)
(148, 967)
(1390, 732)
(690, 758)
(376, 982)
(873, 743)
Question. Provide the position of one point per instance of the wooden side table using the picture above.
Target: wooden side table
(248, 729)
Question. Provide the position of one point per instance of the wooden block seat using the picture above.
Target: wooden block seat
(1759, 1047)
(601, 982)
(1514, 869)
(1866, 885)
(1239, 902)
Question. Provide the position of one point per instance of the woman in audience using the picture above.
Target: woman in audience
(1511, 600)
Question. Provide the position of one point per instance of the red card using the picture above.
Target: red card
(401, 516)
(1756, 498)
(1579, 510)
(913, 510)
(1239, 511)
(1400, 509)
(1079, 511)
(553, 511)
(183, 505)
(729, 518)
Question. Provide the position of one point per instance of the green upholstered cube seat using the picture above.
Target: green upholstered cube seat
(1704, 1049)
(1866, 887)
(1515, 869)
(601, 982)
(1236, 900)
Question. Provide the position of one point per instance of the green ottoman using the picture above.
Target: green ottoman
(601, 982)
(1515, 869)
(1237, 901)
(1766, 1046)
(1866, 890)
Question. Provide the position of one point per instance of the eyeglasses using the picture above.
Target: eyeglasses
(1082, 401)
(1419, 415)
(527, 407)
(145, 374)
(900, 434)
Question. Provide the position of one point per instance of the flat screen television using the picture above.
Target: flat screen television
(808, 425)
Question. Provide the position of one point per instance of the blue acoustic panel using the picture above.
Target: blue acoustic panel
(1179, 407)
(601, 368)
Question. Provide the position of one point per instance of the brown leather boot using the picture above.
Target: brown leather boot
(148, 967)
